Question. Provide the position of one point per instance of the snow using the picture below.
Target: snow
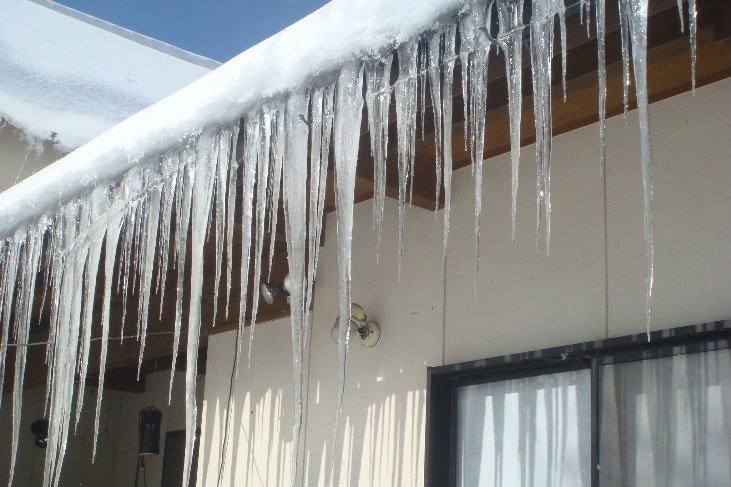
(66, 76)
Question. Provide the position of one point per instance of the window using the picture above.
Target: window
(622, 412)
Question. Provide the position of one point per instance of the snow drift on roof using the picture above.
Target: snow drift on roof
(66, 76)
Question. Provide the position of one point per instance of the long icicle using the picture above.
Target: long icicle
(510, 16)
(433, 74)
(449, 52)
(541, 44)
(114, 225)
(405, 95)
(474, 40)
(33, 251)
(205, 174)
(262, 178)
(147, 259)
(602, 75)
(693, 28)
(346, 136)
(378, 100)
(184, 196)
(295, 219)
(636, 11)
(99, 206)
(251, 153)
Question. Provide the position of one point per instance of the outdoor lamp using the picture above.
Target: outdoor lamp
(367, 331)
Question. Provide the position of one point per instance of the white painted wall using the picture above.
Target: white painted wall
(118, 435)
(591, 286)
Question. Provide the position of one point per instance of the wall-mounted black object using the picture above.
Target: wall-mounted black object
(150, 418)
(40, 429)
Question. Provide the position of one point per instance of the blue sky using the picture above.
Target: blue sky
(218, 29)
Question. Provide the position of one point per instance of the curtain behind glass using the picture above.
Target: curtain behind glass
(531, 432)
(667, 422)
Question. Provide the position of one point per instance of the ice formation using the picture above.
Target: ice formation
(255, 131)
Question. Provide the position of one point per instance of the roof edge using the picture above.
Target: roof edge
(150, 42)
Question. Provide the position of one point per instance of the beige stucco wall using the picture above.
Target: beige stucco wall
(591, 286)
(21, 156)
(118, 435)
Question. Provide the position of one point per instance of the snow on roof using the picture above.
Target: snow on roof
(71, 74)
(340, 31)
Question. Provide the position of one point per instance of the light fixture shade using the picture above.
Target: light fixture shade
(368, 332)
(150, 419)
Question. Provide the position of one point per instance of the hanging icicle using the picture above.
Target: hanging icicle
(636, 12)
(295, 219)
(602, 75)
(510, 17)
(348, 110)
(541, 44)
(449, 56)
(475, 51)
(405, 96)
(378, 100)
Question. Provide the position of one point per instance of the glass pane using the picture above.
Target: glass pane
(667, 422)
(525, 432)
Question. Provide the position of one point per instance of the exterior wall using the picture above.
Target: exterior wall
(590, 286)
(21, 156)
(118, 436)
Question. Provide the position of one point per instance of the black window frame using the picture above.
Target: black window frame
(443, 382)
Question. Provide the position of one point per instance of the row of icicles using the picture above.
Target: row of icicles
(193, 190)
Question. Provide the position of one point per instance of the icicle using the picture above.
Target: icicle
(114, 226)
(680, 16)
(449, 51)
(233, 176)
(205, 173)
(346, 137)
(475, 43)
(464, 61)
(222, 165)
(99, 204)
(378, 99)
(66, 324)
(422, 62)
(147, 259)
(8, 291)
(510, 16)
(251, 153)
(321, 132)
(585, 15)
(125, 263)
(24, 310)
(436, 102)
(624, 35)
(295, 219)
(602, 75)
(541, 44)
(278, 148)
(406, 130)
(692, 27)
(636, 11)
(183, 201)
(562, 29)
(170, 170)
(261, 204)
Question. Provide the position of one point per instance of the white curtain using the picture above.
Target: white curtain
(667, 422)
(530, 432)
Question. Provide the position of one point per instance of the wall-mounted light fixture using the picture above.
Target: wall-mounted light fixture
(367, 331)
(269, 291)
